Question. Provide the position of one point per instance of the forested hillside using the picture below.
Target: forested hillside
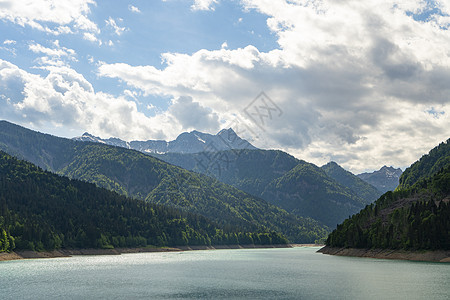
(43, 211)
(283, 180)
(361, 188)
(247, 170)
(417, 217)
(307, 191)
(137, 175)
(427, 165)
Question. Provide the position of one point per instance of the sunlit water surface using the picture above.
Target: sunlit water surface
(293, 273)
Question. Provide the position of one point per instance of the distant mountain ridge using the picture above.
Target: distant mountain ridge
(386, 179)
(187, 142)
(132, 173)
(279, 178)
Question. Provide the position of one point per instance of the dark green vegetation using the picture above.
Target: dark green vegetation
(44, 211)
(427, 166)
(140, 176)
(279, 178)
(385, 179)
(247, 170)
(306, 190)
(417, 217)
(361, 188)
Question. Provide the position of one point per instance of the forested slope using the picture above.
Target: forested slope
(43, 211)
(137, 175)
(281, 179)
(427, 165)
(416, 217)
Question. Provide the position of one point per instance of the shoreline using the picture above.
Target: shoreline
(28, 254)
(442, 256)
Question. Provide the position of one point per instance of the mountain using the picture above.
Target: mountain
(306, 190)
(247, 170)
(385, 179)
(187, 142)
(137, 175)
(427, 166)
(283, 180)
(40, 210)
(360, 187)
(415, 216)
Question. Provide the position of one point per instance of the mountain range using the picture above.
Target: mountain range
(329, 195)
(279, 178)
(187, 142)
(134, 174)
(214, 196)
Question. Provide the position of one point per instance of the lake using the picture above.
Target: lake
(291, 273)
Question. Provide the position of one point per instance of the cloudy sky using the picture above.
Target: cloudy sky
(363, 83)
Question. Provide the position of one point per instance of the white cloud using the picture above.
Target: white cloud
(91, 37)
(204, 4)
(56, 56)
(55, 17)
(192, 116)
(57, 51)
(134, 9)
(9, 47)
(117, 29)
(354, 79)
(65, 98)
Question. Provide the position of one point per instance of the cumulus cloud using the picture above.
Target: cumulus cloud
(355, 80)
(191, 115)
(203, 4)
(55, 17)
(65, 98)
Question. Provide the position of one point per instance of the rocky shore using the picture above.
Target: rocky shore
(430, 256)
(117, 251)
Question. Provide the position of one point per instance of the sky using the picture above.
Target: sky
(361, 83)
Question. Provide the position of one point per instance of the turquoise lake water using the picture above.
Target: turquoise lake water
(293, 273)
